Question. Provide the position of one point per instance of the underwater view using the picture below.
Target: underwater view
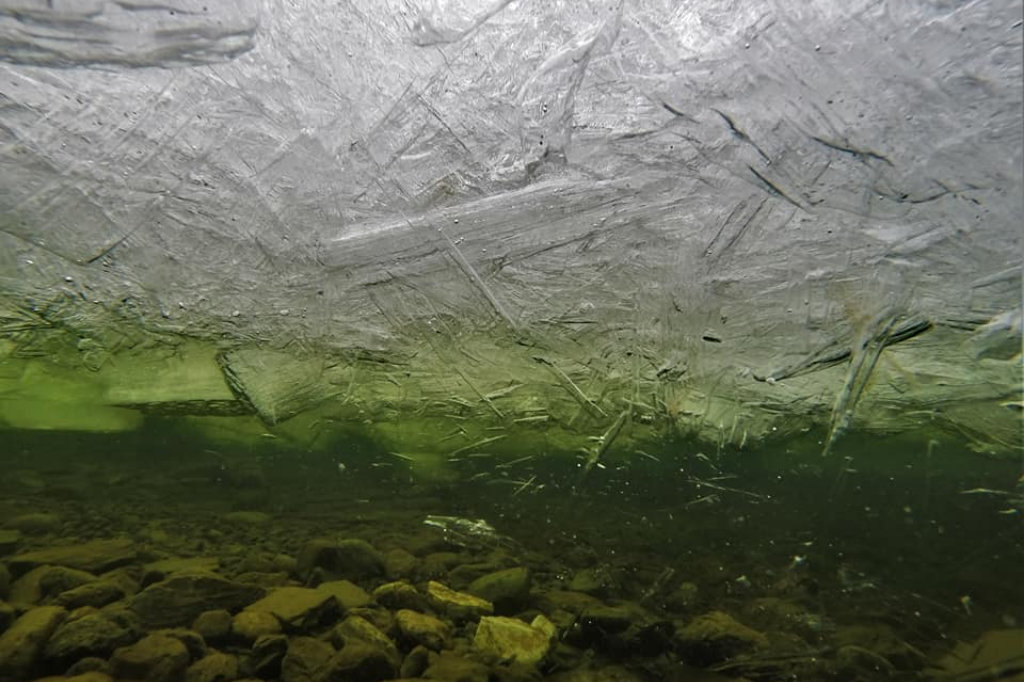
(170, 552)
(511, 341)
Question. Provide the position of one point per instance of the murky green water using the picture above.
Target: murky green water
(675, 563)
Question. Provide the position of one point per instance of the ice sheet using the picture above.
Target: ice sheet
(655, 196)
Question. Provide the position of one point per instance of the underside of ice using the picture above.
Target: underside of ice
(735, 217)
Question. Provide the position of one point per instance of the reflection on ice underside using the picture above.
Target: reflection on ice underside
(563, 226)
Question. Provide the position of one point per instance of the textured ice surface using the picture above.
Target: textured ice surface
(663, 204)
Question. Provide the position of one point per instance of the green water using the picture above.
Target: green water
(871, 564)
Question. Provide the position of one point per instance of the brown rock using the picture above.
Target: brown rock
(451, 666)
(88, 676)
(595, 580)
(401, 595)
(683, 598)
(379, 617)
(95, 556)
(399, 564)
(615, 618)
(715, 637)
(21, 645)
(573, 602)
(457, 605)
(463, 574)
(508, 590)
(248, 518)
(510, 639)
(214, 667)
(128, 578)
(121, 614)
(9, 541)
(349, 595)
(256, 562)
(604, 673)
(307, 660)
(43, 582)
(298, 608)
(89, 664)
(358, 629)
(94, 634)
(286, 564)
(264, 579)
(7, 615)
(264, 660)
(38, 523)
(437, 564)
(425, 541)
(154, 658)
(882, 641)
(362, 661)
(416, 662)
(96, 593)
(193, 641)
(342, 559)
(214, 626)
(181, 597)
(156, 571)
(995, 650)
(422, 629)
(61, 578)
(251, 625)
